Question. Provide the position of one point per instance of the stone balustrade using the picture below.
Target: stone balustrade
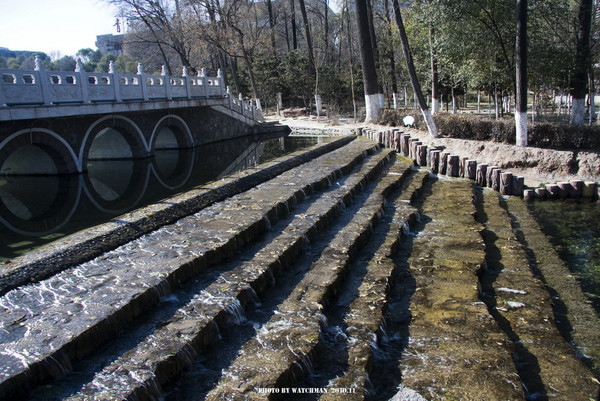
(40, 87)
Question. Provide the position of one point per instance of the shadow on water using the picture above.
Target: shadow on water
(525, 362)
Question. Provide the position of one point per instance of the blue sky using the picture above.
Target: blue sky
(56, 27)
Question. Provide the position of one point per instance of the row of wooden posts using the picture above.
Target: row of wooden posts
(441, 162)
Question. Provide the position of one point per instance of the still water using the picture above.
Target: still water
(36, 210)
(573, 226)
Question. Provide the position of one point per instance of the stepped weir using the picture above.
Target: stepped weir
(342, 271)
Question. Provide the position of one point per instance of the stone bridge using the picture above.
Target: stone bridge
(54, 122)
(339, 272)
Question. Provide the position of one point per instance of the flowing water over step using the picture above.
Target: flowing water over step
(348, 275)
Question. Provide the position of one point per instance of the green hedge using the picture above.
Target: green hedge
(462, 126)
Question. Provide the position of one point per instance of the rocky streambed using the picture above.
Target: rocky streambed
(339, 272)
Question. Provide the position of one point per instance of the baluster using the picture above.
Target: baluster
(220, 82)
(185, 74)
(82, 76)
(115, 81)
(44, 80)
(166, 82)
(142, 78)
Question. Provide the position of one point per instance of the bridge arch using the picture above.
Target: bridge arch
(37, 151)
(112, 138)
(171, 132)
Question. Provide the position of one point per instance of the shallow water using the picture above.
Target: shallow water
(573, 226)
(37, 210)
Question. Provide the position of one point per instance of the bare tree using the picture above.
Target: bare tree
(160, 25)
(413, 74)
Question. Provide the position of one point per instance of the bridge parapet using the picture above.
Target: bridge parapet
(41, 87)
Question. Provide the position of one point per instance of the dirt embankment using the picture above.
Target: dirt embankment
(537, 165)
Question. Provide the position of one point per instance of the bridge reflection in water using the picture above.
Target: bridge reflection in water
(36, 210)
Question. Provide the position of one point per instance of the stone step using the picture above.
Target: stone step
(455, 350)
(282, 349)
(522, 306)
(88, 244)
(47, 325)
(143, 369)
(365, 316)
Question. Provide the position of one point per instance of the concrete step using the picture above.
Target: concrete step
(48, 325)
(522, 306)
(223, 302)
(456, 349)
(278, 356)
(364, 320)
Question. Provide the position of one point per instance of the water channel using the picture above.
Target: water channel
(37, 210)
(573, 226)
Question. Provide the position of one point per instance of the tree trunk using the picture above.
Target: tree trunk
(371, 86)
(294, 28)
(592, 97)
(311, 54)
(272, 27)
(521, 65)
(435, 91)
(582, 62)
(391, 55)
(351, 54)
(413, 74)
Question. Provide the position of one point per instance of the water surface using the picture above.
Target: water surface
(37, 210)
(573, 226)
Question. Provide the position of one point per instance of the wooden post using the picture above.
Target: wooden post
(496, 179)
(480, 176)
(397, 136)
(435, 161)
(490, 175)
(553, 191)
(422, 155)
(413, 149)
(463, 166)
(588, 190)
(540, 192)
(444, 162)
(565, 189)
(506, 183)
(518, 183)
(577, 188)
(453, 166)
(471, 169)
(404, 144)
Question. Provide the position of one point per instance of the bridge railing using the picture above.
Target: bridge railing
(41, 87)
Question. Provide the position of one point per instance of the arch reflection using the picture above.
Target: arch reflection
(38, 209)
(116, 186)
(38, 205)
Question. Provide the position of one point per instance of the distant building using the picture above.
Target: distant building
(110, 44)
